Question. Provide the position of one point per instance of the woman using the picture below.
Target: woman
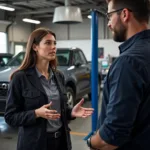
(37, 99)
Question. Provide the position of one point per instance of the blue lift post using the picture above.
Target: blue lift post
(94, 72)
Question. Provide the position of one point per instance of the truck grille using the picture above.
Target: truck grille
(3, 92)
(2, 106)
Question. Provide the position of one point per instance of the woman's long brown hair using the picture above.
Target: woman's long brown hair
(30, 55)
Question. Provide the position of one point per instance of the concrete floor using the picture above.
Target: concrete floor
(80, 127)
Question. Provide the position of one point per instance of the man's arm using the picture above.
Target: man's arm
(126, 86)
(98, 143)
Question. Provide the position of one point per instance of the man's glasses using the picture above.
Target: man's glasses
(110, 13)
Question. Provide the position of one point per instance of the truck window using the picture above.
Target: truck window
(83, 59)
(17, 60)
(63, 57)
(4, 60)
(78, 56)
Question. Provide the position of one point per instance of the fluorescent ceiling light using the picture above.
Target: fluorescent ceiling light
(31, 21)
(7, 8)
(89, 16)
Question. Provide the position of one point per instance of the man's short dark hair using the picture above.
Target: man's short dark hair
(140, 8)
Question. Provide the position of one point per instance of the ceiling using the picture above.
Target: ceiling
(42, 9)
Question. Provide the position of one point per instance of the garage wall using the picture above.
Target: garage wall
(3, 22)
(3, 25)
(19, 31)
(110, 47)
(75, 31)
(77, 34)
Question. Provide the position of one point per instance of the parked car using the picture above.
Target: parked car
(71, 62)
(100, 70)
(105, 65)
(4, 58)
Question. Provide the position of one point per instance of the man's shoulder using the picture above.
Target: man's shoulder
(126, 62)
(122, 60)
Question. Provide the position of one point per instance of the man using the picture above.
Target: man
(124, 122)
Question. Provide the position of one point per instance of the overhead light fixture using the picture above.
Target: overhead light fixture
(31, 21)
(7, 8)
(89, 16)
(67, 14)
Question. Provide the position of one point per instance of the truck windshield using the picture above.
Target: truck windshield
(63, 56)
(4, 59)
(16, 60)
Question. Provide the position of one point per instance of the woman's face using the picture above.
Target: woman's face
(46, 49)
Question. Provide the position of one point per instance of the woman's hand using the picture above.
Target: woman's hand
(79, 111)
(46, 113)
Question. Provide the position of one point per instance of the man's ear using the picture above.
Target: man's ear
(34, 47)
(125, 15)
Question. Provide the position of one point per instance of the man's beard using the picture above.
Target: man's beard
(119, 32)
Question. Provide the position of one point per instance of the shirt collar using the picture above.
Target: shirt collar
(143, 34)
(40, 74)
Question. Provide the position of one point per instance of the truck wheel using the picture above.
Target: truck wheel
(71, 97)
